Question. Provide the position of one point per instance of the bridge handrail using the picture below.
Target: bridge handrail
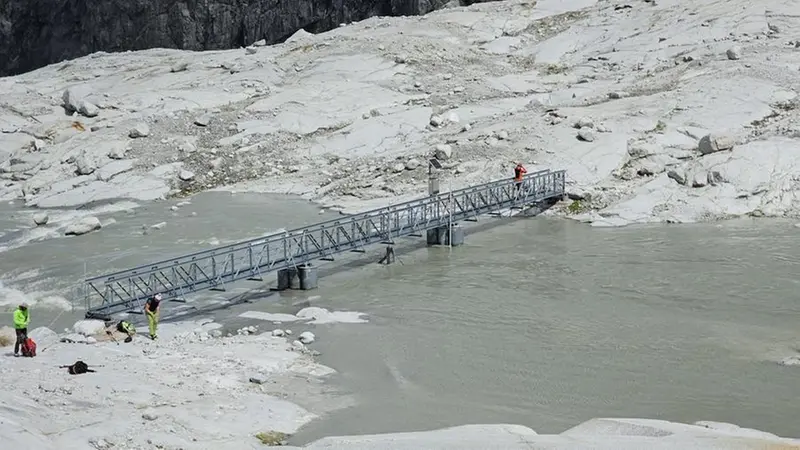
(145, 268)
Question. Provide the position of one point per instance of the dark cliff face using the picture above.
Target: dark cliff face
(35, 33)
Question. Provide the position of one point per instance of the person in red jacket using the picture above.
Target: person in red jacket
(519, 172)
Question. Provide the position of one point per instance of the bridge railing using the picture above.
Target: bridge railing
(217, 267)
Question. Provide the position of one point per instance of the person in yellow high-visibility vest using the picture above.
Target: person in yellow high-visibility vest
(151, 310)
(22, 317)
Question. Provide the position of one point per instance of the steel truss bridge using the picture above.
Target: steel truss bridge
(216, 268)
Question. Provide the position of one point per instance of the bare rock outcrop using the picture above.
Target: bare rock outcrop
(37, 33)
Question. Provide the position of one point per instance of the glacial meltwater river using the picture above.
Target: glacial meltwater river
(537, 321)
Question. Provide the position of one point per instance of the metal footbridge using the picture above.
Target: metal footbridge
(217, 268)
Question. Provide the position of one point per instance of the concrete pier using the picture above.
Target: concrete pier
(443, 235)
(299, 278)
(308, 277)
(288, 279)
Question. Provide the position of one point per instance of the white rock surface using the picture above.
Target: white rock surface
(523, 83)
(595, 434)
(198, 395)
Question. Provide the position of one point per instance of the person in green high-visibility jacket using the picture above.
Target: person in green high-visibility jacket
(22, 317)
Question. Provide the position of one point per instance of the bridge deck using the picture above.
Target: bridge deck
(251, 259)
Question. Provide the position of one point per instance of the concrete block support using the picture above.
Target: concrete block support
(287, 279)
(308, 277)
(303, 278)
(443, 235)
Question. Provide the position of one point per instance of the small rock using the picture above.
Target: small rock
(72, 97)
(173, 208)
(38, 145)
(586, 134)
(258, 379)
(88, 109)
(443, 152)
(140, 130)
(186, 175)
(399, 60)
(83, 226)
(187, 147)
(203, 120)
(398, 167)
(617, 95)
(91, 340)
(699, 179)
(584, 122)
(502, 135)
(306, 337)
(436, 120)
(84, 166)
(158, 226)
(251, 50)
(100, 444)
(714, 178)
(260, 43)
(41, 218)
(117, 153)
(278, 333)
(712, 143)
(179, 67)
(734, 53)
(679, 178)
(412, 164)
(149, 415)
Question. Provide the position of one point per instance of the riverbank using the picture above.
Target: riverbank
(198, 386)
(195, 389)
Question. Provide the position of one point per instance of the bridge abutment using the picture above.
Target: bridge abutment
(446, 235)
(301, 278)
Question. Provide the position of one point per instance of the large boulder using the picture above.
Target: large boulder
(83, 226)
(89, 327)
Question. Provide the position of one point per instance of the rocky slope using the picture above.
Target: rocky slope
(40, 32)
(667, 111)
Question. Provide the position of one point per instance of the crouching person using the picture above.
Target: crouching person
(126, 327)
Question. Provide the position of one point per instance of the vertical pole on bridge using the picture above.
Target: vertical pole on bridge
(450, 219)
(433, 176)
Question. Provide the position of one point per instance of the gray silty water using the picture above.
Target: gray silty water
(549, 323)
(57, 265)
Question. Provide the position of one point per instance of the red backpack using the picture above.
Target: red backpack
(29, 348)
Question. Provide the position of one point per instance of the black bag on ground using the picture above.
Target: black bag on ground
(78, 368)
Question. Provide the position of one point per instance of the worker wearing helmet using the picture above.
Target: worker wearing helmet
(151, 310)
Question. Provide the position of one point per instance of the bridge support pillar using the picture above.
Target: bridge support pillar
(288, 278)
(308, 276)
(300, 278)
(446, 235)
